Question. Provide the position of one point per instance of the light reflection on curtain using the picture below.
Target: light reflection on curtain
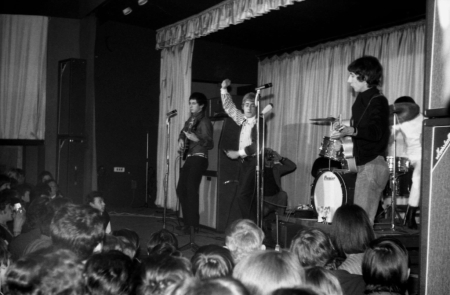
(22, 76)
(175, 88)
(313, 84)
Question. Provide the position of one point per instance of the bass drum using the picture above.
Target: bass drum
(331, 190)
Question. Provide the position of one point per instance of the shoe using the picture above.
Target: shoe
(410, 218)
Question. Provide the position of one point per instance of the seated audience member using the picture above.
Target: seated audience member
(243, 237)
(295, 291)
(322, 281)
(313, 247)
(263, 272)
(157, 273)
(24, 192)
(53, 273)
(5, 260)
(212, 261)
(385, 267)
(54, 189)
(130, 236)
(77, 228)
(216, 286)
(95, 200)
(5, 182)
(44, 176)
(162, 241)
(351, 232)
(108, 273)
(7, 214)
(35, 216)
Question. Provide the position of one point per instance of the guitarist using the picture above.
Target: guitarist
(196, 138)
(369, 131)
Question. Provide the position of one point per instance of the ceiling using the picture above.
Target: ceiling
(297, 26)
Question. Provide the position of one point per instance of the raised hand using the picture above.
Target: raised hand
(226, 83)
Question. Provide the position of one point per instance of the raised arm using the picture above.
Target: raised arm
(228, 104)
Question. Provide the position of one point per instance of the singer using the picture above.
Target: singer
(246, 154)
(195, 139)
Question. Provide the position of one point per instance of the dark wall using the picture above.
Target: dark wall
(216, 62)
(127, 103)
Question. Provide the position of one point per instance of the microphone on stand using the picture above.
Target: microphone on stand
(268, 85)
(267, 109)
(172, 113)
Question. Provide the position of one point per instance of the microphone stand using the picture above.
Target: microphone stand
(259, 167)
(166, 176)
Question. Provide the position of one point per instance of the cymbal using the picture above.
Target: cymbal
(406, 111)
(329, 119)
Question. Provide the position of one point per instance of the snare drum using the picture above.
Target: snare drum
(332, 189)
(402, 164)
(331, 148)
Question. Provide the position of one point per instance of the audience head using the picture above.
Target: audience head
(216, 286)
(368, 69)
(162, 239)
(243, 237)
(24, 191)
(385, 266)
(322, 281)
(54, 188)
(212, 261)
(16, 175)
(6, 210)
(159, 272)
(265, 271)
(96, 200)
(5, 182)
(41, 190)
(313, 247)
(44, 176)
(5, 259)
(108, 273)
(130, 239)
(351, 230)
(295, 291)
(38, 212)
(78, 228)
(52, 273)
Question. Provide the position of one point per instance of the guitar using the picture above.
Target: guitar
(347, 146)
(185, 149)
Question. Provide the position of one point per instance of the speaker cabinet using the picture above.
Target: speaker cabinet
(72, 97)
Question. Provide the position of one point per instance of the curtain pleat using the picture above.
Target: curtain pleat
(22, 76)
(225, 14)
(313, 84)
(175, 88)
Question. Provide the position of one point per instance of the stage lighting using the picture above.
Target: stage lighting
(127, 11)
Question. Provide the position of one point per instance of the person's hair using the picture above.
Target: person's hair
(201, 99)
(38, 212)
(249, 96)
(212, 261)
(5, 255)
(53, 273)
(58, 203)
(312, 247)
(128, 234)
(162, 236)
(92, 195)
(42, 175)
(367, 68)
(111, 243)
(23, 188)
(295, 291)
(159, 272)
(15, 173)
(322, 281)
(351, 230)
(41, 189)
(108, 273)
(242, 237)
(265, 271)
(385, 266)
(5, 198)
(402, 99)
(4, 179)
(77, 228)
(216, 286)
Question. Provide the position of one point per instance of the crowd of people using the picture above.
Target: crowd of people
(64, 248)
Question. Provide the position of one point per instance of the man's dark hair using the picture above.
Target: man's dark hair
(367, 68)
(6, 197)
(4, 179)
(37, 212)
(212, 261)
(92, 195)
(78, 228)
(160, 237)
(200, 98)
(402, 99)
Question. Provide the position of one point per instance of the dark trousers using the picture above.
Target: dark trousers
(245, 196)
(188, 186)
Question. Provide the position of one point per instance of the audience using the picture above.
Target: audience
(322, 281)
(351, 232)
(96, 200)
(131, 240)
(217, 286)
(295, 291)
(7, 214)
(242, 238)
(385, 267)
(161, 242)
(212, 261)
(44, 176)
(5, 182)
(5, 260)
(54, 189)
(263, 272)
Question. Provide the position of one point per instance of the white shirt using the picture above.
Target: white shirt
(245, 138)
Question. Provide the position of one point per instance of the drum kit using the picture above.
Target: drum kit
(334, 187)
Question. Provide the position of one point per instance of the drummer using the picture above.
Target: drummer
(411, 129)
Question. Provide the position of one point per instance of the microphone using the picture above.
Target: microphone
(267, 109)
(268, 85)
(172, 113)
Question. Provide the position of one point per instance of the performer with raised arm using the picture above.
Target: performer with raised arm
(195, 139)
(369, 131)
(247, 149)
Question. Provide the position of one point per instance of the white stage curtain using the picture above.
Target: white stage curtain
(312, 83)
(175, 89)
(220, 16)
(22, 76)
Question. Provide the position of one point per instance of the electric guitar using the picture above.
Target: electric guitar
(185, 149)
(347, 146)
